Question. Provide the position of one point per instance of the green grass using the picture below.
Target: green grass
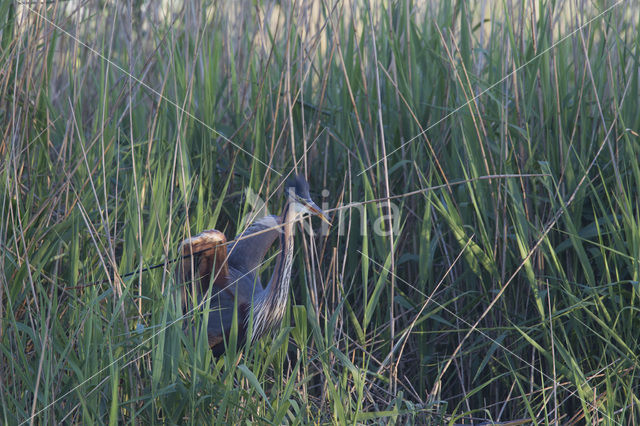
(128, 126)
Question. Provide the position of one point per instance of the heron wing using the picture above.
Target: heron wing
(250, 246)
(204, 254)
(235, 273)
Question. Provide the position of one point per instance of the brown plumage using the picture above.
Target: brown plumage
(210, 247)
(236, 266)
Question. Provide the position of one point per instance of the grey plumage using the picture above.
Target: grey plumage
(236, 276)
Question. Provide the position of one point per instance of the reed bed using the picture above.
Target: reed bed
(479, 161)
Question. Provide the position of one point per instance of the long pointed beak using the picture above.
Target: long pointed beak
(317, 211)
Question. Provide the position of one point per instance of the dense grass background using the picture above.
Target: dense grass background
(127, 126)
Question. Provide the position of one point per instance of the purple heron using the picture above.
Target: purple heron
(235, 275)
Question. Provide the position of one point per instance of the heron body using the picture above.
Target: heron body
(234, 276)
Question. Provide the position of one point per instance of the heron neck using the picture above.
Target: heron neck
(279, 283)
(270, 309)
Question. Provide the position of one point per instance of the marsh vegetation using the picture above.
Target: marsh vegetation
(508, 133)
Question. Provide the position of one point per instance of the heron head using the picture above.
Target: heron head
(297, 189)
